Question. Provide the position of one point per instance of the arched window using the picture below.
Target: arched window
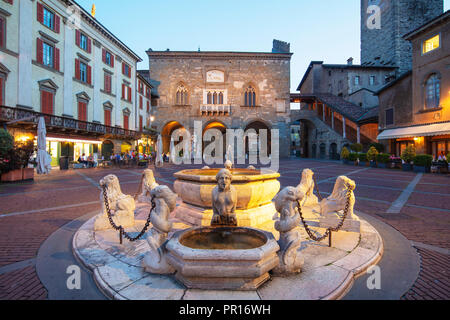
(215, 98)
(432, 92)
(209, 98)
(250, 97)
(182, 95)
(221, 98)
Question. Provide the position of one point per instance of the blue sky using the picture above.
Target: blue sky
(327, 30)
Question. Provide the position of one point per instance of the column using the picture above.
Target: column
(344, 134)
(69, 69)
(332, 119)
(24, 83)
(358, 130)
(118, 80)
(323, 112)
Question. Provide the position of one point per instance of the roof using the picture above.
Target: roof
(428, 130)
(153, 83)
(392, 83)
(361, 89)
(108, 34)
(141, 75)
(427, 26)
(217, 54)
(371, 115)
(340, 66)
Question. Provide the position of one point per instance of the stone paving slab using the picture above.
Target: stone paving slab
(328, 272)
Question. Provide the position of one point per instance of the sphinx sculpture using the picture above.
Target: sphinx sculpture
(290, 260)
(148, 184)
(224, 200)
(336, 202)
(165, 202)
(121, 206)
(228, 165)
(306, 186)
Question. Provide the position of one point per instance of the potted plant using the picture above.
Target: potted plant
(362, 159)
(422, 163)
(378, 146)
(372, 155)
(408, 156)
(382, 160)
(345, 155)
(356, 147)
(353, 157)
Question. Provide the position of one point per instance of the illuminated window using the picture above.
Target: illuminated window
(433, 91)
(431, 44)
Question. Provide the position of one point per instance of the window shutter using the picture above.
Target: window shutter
(89, 45)
(148, 106)
(129, 93)
(89, 74)
(56, 57)
(77, 37)
(40, 12)
(105, 80)
(57, 23)
(112, 61)
(77, 69)
(104, 55)
(39, 55)
(1, 92)
(2, 25)
(123, 91)
(123, 67)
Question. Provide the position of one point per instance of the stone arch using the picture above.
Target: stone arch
(322, 151)
(333, 152)
(219, 125)
(314, 151)
(258, 125)
(107, 149)
(166, 133)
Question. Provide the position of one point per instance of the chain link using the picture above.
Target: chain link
(120, 228)
(331, 229)
(317, 188)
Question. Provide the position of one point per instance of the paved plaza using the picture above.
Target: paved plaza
(416, 205)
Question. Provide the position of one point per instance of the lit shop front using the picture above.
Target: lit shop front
(59, 147)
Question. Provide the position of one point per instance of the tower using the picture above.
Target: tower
(383, 25)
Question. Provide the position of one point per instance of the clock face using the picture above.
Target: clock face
(215, 76)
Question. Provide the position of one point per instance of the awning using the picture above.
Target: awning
(436, 129)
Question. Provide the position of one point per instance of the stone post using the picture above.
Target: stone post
(358, 134)
(332, 119)
(323, 112)
(344, 133)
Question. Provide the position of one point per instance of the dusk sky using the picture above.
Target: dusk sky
(317, 30)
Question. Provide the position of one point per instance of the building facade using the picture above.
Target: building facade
(338, 107)
(223, 90)
(58, 61)
(415, 110)
(383, 24)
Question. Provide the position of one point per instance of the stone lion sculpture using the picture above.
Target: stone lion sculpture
(286, 203)
(338, 198)
(121, 206)
(306, 186)
(148, 184)
(224, 200)
(228, 164)
(165, 202)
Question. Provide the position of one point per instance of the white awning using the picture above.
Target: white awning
(436, 129)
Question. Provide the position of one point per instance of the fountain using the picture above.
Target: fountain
(222, 237)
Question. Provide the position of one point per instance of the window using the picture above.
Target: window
(357, 81)
(148, 93)
(48, 18)
(141, 102)
(108, 58)
(2, 32)
(47, 55)
(47, 99)
(148, 106)
(431, 44)
(83, 42)
(126, 118)
(433, 91)
(126, 92)
(83, 71)
(389, 117)
(141, 87)
(126, 70)
(181, 95)
(140, 123)
(82, 111)
(108, 81)
(107, 115)
(250, 97)
(372, 80)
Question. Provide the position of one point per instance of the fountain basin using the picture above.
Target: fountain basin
(255, 188)
(222, 258)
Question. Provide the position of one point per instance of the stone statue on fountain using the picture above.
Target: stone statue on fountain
(165, 202)
(148, 184)
(224, 200)
(290, 259)
(306, 186)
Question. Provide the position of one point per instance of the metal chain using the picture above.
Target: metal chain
(120, 228)
(329, 230)
(317, 188)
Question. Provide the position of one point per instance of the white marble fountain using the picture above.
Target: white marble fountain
(233, 255)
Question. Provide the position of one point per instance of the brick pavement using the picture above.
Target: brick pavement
(425, 218)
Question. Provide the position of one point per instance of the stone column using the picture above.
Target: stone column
(323, 112)
(332, 119)
(97, 106)
(69, 69)
(24, 83)
(344, 133)
(358, 129)
(117, 121)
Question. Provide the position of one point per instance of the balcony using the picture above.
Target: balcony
(28, 119)
(215, 110)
